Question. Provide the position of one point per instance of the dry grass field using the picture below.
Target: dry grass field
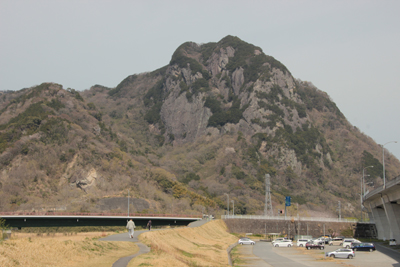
(81, 249)
(200, 246)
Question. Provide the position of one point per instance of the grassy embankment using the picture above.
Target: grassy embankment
(79, 249)
(200, 246)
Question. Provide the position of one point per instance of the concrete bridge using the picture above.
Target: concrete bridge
(383, 206)
(56, 219)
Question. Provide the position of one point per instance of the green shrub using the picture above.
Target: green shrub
(125, 82)
(91, 106)
(55, 104)
(189, 177)
(54, 131)
(155, 95)
(183, 61)
(232, 115)
(369, 160)
(75, 94)
(238, 173)
(207, 50)
(313, 98)
(213, 104)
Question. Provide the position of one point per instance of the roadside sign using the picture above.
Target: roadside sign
(287, 201)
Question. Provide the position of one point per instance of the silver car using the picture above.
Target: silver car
(246, 241)
(341, 253)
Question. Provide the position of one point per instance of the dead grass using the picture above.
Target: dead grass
(200, 246)
(82, 249)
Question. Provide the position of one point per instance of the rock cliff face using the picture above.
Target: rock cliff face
(236, 87)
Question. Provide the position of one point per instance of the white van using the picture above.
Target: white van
(337, 241)
(302, 242)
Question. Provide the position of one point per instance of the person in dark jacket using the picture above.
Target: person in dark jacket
(149, 225)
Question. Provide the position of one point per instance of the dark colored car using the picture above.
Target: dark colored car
(315, 245)
(363, 247)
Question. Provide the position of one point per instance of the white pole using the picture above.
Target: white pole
(383, 162)
(228, 202)
(128, 203)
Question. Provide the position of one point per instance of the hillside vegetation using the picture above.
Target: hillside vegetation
(214, 121)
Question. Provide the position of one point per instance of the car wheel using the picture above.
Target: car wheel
(347, 246)
(350, 256)
(341, 244)
(289, 246)
(370, 250)
(276, 245)
(355, 249)
(332, 255)
(308, 248)
(241, 244)
(322, 248)
(301, 245)
(253, 243)
(330, 244)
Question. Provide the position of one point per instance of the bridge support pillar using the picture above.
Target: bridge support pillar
(392, 211)
(380, 222)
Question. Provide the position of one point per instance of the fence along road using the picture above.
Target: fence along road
(53, 219)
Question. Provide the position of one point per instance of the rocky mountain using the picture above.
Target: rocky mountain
(214, 121)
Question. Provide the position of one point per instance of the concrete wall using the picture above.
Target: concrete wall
(289, 228)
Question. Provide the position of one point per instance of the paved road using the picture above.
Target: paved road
(123, 262)
(263, 254)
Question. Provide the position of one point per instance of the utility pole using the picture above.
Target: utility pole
(128, 203)
(340, 215)
(228, 202)
(268, 203)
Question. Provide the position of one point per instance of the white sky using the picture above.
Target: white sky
(349, 49)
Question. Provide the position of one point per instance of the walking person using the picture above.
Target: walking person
(131, 228)
(149, 225)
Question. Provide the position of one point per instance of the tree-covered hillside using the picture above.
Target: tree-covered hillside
(214, 121)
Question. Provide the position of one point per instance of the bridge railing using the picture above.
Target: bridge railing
(288, 218)
(47, 213)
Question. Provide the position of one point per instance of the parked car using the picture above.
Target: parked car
(319, 240)
(302, 242)
(347, 242)
(363, 247)
(246, 241)
(341, 253)
(325, 238)
(392, 242)
(278, 239)
(283, 243)
(315, 245)
(337, 241)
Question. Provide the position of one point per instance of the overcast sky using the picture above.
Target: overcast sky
(349, 49)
